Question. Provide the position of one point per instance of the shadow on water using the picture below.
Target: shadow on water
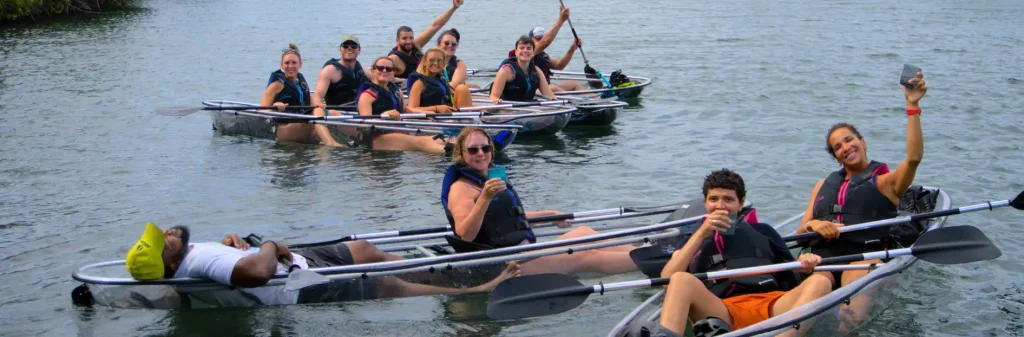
(73, 22)
(469, 311)
(290, 163)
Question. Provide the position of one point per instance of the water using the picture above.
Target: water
(745, 85)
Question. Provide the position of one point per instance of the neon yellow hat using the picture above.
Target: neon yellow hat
(145, 259)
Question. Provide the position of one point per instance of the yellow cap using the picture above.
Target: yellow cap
(145, 260)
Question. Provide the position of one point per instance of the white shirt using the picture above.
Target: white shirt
(215, 261)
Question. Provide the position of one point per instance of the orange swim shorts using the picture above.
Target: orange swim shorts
(749, 309)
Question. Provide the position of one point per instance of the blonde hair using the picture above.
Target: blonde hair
(292, 49)
(422, 68)
(460, 143)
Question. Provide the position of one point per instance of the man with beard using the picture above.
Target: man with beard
(337, 84)
(407, 54)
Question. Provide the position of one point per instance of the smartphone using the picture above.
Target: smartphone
(497, 172)
(909, 71)
(732, 225)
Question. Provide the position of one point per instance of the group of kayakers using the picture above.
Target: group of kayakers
(435, 80)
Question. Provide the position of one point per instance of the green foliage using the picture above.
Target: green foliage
(13, 10)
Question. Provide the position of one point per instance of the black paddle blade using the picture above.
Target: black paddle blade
(592, 73)
(81, 296)
(536, 295)
(1018, 202)
(955, 245)
(651, 260)
(176, 111)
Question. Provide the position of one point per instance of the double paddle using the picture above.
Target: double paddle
(549, 294)
(651, 260)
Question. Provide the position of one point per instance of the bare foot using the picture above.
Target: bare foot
(511, 270)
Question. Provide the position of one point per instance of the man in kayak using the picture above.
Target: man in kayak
(168, 253)
(542, 39)
(337, 84)
(730, 304)
(407, 52)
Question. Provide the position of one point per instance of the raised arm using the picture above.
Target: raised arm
(504, 75)
(561, 63)
(424, 37)
(549, 36)
(468, 205)
(894, 183)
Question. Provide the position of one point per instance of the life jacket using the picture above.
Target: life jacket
(294, 93)
(542, 60)
(344, 90)
(745, 248)
(435, 89)
(855, 201)
(504, 224)
(411, 61)
(449, 70)
(523, 86)
(386, 99)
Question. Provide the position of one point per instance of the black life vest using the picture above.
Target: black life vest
(411, 61)
(523, 86)
(294, 93)
(449, 70)
(387, 99)
(435, 89)
(855, 201)
(543, 61)
(504, 224)
(344, 90)
(745, 248)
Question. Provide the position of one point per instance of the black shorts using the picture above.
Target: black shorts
(839, 248)
(334, 255)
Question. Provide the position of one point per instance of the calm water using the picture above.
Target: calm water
(739, 84)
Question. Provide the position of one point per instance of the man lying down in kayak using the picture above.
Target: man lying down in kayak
(731, 304)
(168, 253)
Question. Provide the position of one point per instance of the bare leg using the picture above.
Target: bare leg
(463, 98)
(365, 252)
(858, 310)
(587, 231)
(296, 133)
(403, 142)
(322, 132)
(393, 287)
(809, 290)
(687, 299)
(570, 85)
(590, 260)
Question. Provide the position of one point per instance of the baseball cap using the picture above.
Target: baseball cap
(145, 259)
(348, 38)
(536, 33)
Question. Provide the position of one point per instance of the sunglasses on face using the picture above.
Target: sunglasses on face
(349, 46)
(436, 61)
(450, 43)
(384, 69)
(474, 149)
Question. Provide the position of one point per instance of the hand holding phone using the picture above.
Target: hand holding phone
(909, 72)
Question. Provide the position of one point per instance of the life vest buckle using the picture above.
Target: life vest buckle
(837, 209)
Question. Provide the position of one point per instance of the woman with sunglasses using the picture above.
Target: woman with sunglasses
(287, 87)
(455, 69)
(487, 213)
(518, 78)
(381, 96)
(429, 91)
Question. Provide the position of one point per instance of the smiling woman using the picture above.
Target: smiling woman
(37, 9)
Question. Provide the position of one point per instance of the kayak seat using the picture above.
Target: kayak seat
(463, 246)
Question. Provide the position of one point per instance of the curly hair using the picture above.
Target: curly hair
(460, 144)
(725, 179)
(837, 126)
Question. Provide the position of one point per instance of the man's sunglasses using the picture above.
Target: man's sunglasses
(350, 46)
(474, 149)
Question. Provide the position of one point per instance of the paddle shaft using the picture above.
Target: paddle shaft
(873, 224)
(249, 107)
(577, 37)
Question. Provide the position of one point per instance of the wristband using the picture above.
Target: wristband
(913, 111)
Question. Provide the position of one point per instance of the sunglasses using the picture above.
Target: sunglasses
(350, 46)
(436, 61)
(450, 43)
(385, 69)
(474, 149)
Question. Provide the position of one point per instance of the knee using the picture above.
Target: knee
(364, 248)
(684, 279)
(583, 231)
(819, 284)
(462, 89)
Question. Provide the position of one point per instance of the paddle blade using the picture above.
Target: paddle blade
(1018, 202)
(954, 245)
(176, 111)
(651, 260)
(592, 73)
(536, 295)
(301, 278)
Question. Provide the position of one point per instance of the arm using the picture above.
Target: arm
(414, 98)
(257, 269)
(809, 212)
(549, 36)
(545, 89)
(716, 221)
(459, 77)
(894, 183)
(827, 229)
(366, 100)
(399, 67)
(268, 96)
(469, 205)
(561, 63)
(504, 75)
(425, 36)
(327, 75)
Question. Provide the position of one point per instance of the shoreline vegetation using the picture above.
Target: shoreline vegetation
(38, 10)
